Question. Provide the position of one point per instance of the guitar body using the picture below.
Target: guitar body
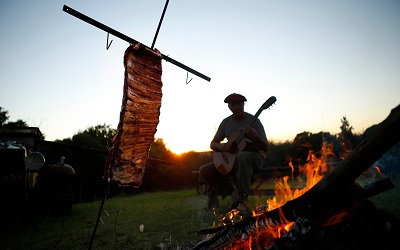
(224, 161)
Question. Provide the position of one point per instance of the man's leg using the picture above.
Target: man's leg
(217, 182)
(244, 167)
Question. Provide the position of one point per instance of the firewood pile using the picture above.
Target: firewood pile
(334, 214)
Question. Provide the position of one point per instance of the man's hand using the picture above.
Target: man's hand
(250, 133)
(225, 147)
(222, 147)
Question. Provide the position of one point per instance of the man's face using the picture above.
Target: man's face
(236, 107)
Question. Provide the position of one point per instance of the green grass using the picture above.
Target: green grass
(389, 200)
(169, 219)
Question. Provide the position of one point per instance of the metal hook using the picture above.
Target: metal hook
(187, 75)
(108, 44)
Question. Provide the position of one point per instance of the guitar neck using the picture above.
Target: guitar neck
(256, 116)
(266, 105)
(241, 136)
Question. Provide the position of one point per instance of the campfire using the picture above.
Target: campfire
(332, 211)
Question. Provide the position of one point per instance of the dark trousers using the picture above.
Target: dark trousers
(245, 164)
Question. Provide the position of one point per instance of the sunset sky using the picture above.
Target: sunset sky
(321, 59)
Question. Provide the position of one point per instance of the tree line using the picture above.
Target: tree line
(88, 159)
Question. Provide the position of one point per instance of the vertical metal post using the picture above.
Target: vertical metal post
(159, 25)
(106, 188)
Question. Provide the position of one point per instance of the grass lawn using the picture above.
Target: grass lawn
(167, 219)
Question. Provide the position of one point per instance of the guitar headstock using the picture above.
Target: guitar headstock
(268, 103)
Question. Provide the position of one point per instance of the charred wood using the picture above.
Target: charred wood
(378, 187)
(366, 228)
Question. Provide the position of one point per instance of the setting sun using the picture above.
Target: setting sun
(179, 145)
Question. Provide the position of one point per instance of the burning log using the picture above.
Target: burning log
(333, 193)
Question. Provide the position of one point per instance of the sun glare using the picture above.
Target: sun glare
(180, 146)
(177, 148)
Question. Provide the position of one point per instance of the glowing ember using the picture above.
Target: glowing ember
(337, 218)
(346, 148)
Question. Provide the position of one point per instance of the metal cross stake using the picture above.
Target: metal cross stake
(159, 24)
(131, 40)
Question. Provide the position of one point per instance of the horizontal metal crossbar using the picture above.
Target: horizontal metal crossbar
(128, 39)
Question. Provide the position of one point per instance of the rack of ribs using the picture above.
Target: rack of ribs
(139, 116)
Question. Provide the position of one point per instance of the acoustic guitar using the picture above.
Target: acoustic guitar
(224, 161)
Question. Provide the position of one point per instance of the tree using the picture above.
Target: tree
(99, 136)
(280, 154)
(3, 116)
(346, 138)
(158, 150)
(18, 123)
(346, 131)
(304, 143)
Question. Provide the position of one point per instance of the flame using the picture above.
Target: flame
(312, 171)
(289, 226)
(346, 148)
(310, 174)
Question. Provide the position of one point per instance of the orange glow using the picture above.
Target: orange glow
(336, 218)
(318, 163)
(377, 169)
(346, 148)
(289, 226)
(311, 173)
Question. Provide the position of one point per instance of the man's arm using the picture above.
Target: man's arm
(220, 147)
(216, 146)
(261, 143)
(219, 136)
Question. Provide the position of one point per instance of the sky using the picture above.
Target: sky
(321, 59)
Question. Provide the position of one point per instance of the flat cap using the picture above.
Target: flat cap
(234, 97)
